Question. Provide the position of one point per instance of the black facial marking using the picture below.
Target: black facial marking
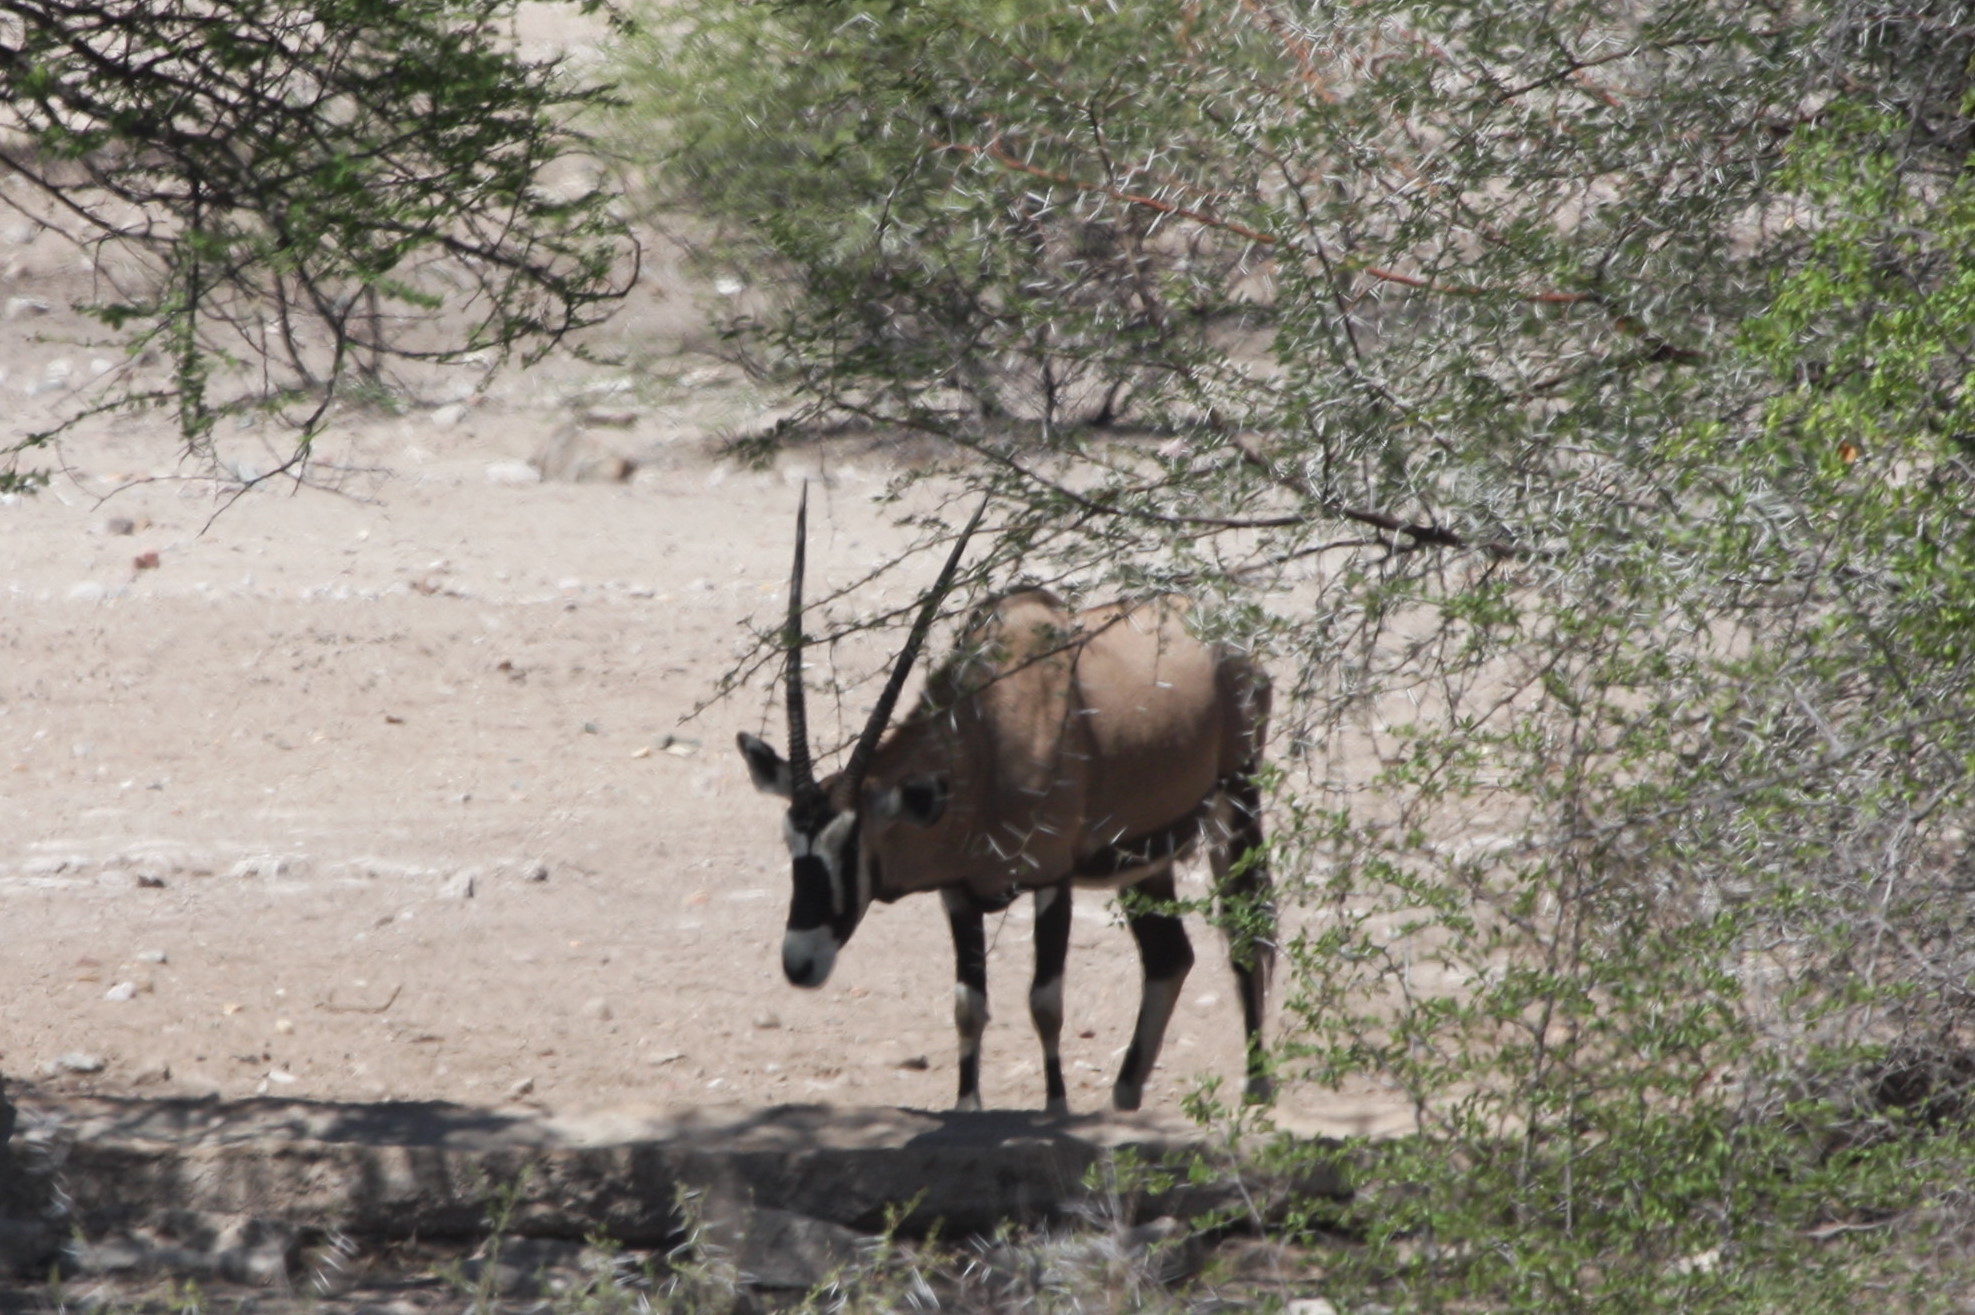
(811, 907)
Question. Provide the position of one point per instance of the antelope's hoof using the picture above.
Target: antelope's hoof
(1127, 1096)
(1057, 1109)
(1261, 1090)
(968, 1104)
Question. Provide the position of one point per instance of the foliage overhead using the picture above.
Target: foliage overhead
(1574, 400)
(279, 201)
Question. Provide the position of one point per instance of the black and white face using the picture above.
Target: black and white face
(831, 883)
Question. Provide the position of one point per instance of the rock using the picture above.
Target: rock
(516, 1266)
(26, 1246)
(513, 472)
(449, 415)
(597, 1009)
(292, 866)
(120, 525)
(121, 992)
(579, 454)
(75, 1061)
(20, 308)
(521, 1087)
(247, 1250)
(767, 1021)
(537, 871)
(1309, 1306)
(791, 1251)
(1166, 1247)
(396, 1170)
(152, 956)
(460, 885)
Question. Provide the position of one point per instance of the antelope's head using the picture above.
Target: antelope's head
(825, 822)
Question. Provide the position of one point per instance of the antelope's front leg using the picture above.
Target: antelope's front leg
(970, 1005)
(1046, 992)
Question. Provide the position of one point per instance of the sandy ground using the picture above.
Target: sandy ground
(386, 793)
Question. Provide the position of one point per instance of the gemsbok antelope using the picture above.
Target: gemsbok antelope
(1054, 749)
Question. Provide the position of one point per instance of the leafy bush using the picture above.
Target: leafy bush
(320, 190)
(1574, 400)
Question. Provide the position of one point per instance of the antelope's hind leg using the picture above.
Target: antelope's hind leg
(970, 1002)
(1168, 956)
(1246, 912)
(1052, 938)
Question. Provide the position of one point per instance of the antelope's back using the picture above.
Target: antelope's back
(1061, 734)
(1167, 718)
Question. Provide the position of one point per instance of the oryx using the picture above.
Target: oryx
(1053, 749)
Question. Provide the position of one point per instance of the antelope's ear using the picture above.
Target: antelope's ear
(920, 800)
(769, 769)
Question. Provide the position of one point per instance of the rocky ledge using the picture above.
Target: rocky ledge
(239, 1190)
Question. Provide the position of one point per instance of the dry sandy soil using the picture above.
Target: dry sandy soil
(386, 792)
(394, 791)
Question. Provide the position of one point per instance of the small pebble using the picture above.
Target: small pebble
(79, 1061)
(767, 1021)
(152, 956)
(121, 991)
(285, 1026)
(513, 472)
(520, 1088)
(598, 1009)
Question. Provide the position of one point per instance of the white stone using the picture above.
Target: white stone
(513, 472)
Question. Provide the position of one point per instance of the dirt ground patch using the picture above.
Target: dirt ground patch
(386, 793)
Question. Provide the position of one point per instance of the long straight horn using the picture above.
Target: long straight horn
(867, 743)
(802, 774)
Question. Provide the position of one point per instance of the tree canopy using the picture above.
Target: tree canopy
(282, 201)
(1573, 401)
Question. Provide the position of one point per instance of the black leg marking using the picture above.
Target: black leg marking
(970, 1012)
(1246, 911)
(1167, 955)
(1052, 936)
